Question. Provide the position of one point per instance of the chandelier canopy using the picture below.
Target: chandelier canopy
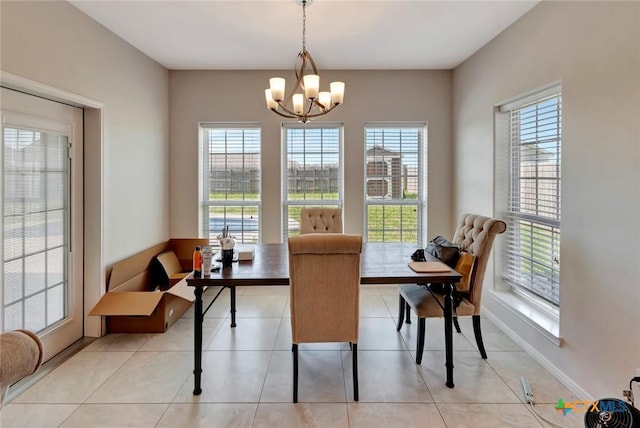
(305, 97)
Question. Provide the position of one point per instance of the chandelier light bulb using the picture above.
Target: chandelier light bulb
(311, 86)
(277, 85)
(271, 103)
(324, 98)
(298, 103)
(337, 92)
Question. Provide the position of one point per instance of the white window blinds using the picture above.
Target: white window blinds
(313, 174)
(533, 241)
(394, 182)
(231, 180)
(36, 228)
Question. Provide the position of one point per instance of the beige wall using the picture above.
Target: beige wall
(52, 48)
(238, 96)
(55, 44)
(593, 48)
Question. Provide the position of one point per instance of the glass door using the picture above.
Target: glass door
(42, 219)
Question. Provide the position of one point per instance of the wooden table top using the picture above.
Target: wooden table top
(380, 263)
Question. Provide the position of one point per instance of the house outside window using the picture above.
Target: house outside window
(313, 173)
(394, 182)
(231, 180)
(532, 252)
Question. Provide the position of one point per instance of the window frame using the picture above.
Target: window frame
(421, 193)
(205, 202)
(512, 274)
(329, 203)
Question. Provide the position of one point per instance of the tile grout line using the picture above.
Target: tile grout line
(264, 381)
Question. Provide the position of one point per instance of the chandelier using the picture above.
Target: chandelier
(307, 100)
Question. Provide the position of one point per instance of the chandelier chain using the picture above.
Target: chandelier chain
(304, 25)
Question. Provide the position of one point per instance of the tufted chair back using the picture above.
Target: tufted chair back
(325, 286)
(320, 220)
(475, 234)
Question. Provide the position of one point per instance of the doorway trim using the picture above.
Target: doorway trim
(94, 276)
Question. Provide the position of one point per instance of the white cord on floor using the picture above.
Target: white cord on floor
(540, 417)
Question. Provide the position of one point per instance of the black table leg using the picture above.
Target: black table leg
(197, 338)
(232, 289)
(448, 334)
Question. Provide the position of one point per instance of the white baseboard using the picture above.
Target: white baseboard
(573, 386)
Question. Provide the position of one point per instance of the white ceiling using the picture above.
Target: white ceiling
(267, 34)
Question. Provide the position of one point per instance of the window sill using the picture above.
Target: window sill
(542, 321)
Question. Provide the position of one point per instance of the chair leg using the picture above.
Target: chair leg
(400, 312)
(478, 333)
(295, 372)
(456, 324)
(420, 345)
(354, 354)
(407, 310)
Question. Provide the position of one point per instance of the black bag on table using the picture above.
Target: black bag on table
(443, 250)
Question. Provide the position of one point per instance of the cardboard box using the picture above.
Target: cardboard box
(137, 300)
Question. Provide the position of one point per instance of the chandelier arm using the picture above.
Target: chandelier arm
(288, 116)
(311, 103)
(289, 96)
(312, 62)
(321, 107)
(332, 106)
(299, 70)
(319, 114)
(299, 75)
(305, 60)
(291, 115)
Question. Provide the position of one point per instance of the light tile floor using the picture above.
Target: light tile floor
(146, 380)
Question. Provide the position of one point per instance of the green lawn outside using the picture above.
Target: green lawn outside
(392, 223)
(220, 196)
(386, 223)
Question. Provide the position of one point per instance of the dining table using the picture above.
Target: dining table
(380, 263)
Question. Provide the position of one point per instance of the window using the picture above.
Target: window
(231, 180)
(533, 207)
(36, 236)
(313, 176)
(394, 184)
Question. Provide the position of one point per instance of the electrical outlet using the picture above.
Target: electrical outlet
(526, 390)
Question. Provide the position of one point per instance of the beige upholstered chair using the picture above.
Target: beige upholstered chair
(20, 356)
(475, 234)
(320, 220)
(324, 275)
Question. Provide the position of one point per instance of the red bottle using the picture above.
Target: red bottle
(197, 261)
